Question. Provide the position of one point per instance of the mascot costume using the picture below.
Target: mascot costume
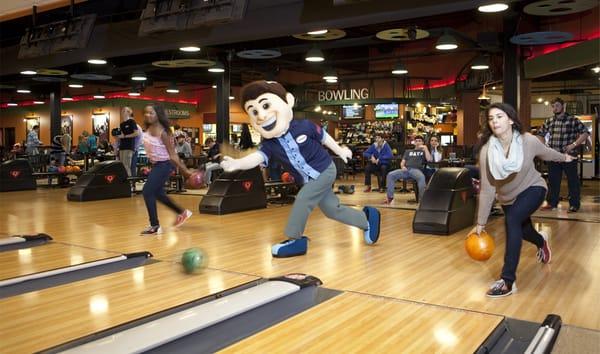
(297, 146)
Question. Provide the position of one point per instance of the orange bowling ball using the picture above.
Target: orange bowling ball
(480, 247)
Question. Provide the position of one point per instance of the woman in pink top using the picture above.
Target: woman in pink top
(159, 146)
(508, 174)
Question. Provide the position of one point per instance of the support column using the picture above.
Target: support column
(55, 113)
(525, 107)
(223, 89)
(511, 71)
(467, 118)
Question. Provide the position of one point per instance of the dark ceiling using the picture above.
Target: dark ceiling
(267, 24)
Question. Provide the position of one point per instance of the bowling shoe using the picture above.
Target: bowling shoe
(500, 288)
(181, 218)
(374, 219)
(544, 254)
(151, 230)
(290, 247)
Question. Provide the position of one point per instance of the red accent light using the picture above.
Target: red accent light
(116, 95)
(549, 48)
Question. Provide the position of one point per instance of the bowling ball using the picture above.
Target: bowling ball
(394, 151)
(193, 259)
(115, 132)
(479, 247)
(68, 169)
(76, 169)
(287, 177)
(196, 179)
(61, 169)
(173, 173)
(145, 171)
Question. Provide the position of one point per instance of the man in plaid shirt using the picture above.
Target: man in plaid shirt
(566, 133)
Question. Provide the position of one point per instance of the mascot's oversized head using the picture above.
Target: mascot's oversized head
(269, 107)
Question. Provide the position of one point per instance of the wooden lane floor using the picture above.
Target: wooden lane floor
(43, 319)
(403, 265)
(50, 256)
(356, 323)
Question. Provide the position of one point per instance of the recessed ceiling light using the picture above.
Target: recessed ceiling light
(190, 49)
(99, 96)
(67, 98)
(546, 103)
(172, 88)
(23, 90)
(540, 100)
(38, 102)
(214, 86)
(28, 72)
(134, 93)
(317, 32)
(12, 104)
(331, 81)
(231, 98)
(97, 61)
(596, 69)
(495, 7)
(317, 108)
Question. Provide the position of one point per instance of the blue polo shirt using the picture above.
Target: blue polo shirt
(299, 150)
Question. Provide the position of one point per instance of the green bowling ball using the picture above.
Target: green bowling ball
(193, 259)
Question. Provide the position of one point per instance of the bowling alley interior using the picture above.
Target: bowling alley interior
(299, 176)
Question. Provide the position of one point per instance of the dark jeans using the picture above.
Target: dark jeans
(517, 218)
(555, 170)
(381, 172)
(155, 189)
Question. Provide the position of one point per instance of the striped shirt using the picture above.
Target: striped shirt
(562, 130)
(155, 148)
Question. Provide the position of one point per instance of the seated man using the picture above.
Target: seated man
(378, 155)
(411, 166)
(182, 147)
(214, 158)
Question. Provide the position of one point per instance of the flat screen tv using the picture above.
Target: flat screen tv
(353, 112)
(386, 110)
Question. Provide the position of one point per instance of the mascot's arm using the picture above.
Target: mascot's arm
(342, 152)
(245, 163)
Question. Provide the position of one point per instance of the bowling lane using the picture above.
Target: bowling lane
(352, 323)
(32, 260)
(71, 311)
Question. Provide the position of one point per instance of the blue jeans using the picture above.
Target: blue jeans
(517, 218)
(381, 172)
(410, 172)
(555, 170)
(155, 189)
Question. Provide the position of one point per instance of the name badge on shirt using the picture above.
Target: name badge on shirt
(301, 138)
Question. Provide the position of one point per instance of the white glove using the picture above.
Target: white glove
(229, 164)
(345, 154)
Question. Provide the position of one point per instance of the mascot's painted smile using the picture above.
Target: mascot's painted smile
(269, 124)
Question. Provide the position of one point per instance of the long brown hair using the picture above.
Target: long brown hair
(486, 132)
(162, 117)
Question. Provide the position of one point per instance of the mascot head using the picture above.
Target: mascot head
(269, 107)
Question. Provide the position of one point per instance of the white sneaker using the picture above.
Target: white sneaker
(182, 218)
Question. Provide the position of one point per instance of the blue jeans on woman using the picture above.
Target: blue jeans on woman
(517, 218)
(155, 189)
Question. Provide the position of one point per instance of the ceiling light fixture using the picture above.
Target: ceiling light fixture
(595, 69)
(11, 104)
(38, 102)
(190, 49)
(134, 92)
(540, 100)
(97, 61)
(446, 42)
(217, 68)
(99, 95)
(314, 55)
(399, 69)
(494, 7)
(330, 75)
(480, 63)
(23, 90)
(172, 88)
(75, 84)
(28, 72)
(139, 76)
(317, 32)
(67, 97)
(483, 95)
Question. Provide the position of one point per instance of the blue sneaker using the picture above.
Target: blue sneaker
(290, 247)
(374, 218)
